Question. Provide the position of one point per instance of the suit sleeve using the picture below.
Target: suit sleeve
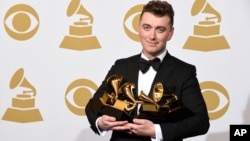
(91, 116)
(188, 90)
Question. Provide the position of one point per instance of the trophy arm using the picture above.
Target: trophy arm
(111, 98)
(172, 103)
(115, 82)
(145, 99)
(127, 90)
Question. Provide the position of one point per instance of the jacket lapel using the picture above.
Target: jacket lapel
(133, 72)
(162, 75)
(164, 72)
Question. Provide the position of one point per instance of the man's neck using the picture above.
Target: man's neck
(160, 56)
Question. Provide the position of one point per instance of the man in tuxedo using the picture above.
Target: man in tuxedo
(155, 30)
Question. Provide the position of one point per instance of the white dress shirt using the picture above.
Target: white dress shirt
(144, 84)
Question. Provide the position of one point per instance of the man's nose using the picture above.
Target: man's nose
(152, 34)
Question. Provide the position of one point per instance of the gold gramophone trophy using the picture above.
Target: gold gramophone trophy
(206, 34)
(23, 105)
(163, 107)
(80, 33)
(119, 103)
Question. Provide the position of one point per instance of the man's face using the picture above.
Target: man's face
(154, 32)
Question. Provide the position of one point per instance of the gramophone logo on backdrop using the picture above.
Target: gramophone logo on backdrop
(23, 105)
(216, 97)
(207, 32)
(78, 94)
(80, 33)
(21, 22)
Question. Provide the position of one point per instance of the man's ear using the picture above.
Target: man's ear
(171, 33)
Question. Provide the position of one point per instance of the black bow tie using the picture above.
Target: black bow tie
(144, 64)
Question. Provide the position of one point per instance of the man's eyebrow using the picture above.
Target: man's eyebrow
(146, 24)
(161, 27)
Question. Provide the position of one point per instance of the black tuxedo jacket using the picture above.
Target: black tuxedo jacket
(176, 76)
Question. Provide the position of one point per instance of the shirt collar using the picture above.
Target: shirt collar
(161, 56)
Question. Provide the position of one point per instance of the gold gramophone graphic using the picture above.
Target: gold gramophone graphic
(162, 107)
(120, 102)
(80, 33)
(23, 105)
(206, 33)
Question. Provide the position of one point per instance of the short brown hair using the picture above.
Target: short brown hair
(159, 8)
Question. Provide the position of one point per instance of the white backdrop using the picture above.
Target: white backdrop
(64, 75)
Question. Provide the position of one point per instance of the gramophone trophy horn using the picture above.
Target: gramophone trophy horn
(115, 82)
(148, 104)
(163, 107)
(157, 92)
(18, 79)
(76, 7)
(204, 7)
(127, 91)
(118, 103)
(84, 12)
(210, 10)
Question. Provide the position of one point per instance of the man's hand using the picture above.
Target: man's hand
(142, 127)
(110, 123)
(137, 127)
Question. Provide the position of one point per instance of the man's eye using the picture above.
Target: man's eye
(160, 30)
(147, 28)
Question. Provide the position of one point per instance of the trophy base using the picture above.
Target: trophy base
(166, 116)
(118, 114)
(101, 109)
(80, 43)
(206, 43)
(22, 115)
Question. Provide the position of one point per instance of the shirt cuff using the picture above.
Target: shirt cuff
(101, 132)
(158, 133)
